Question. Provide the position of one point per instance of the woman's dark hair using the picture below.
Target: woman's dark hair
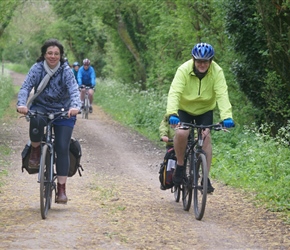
(48, 43)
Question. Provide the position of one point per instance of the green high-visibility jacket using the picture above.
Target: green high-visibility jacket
(195, 96)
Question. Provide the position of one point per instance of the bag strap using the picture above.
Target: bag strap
(43, 82)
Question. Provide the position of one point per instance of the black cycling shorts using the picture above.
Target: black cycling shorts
(204, 119)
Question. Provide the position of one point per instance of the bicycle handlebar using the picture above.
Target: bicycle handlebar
(50, 116)
(216, 127)
(86, 87)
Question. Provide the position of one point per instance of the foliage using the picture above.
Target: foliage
(27, 31)
(259, 35)
(81, 30)
(7, 8)
(262, 168)
(141, 110)
(19, 68)
(145, 41)
(6, 93)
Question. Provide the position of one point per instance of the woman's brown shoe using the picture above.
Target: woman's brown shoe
(34, 158)
(61, 196)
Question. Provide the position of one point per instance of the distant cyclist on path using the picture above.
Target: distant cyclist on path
(75, 70)
(87, 77)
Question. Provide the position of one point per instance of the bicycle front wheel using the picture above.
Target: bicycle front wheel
(45, 181)
(186, 185)
(176, 191)
(200, 186)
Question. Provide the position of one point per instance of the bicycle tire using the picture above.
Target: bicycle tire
(87, 107)
(84, 110)
(200, 186)
(186, 185)
(176, 192)
(45, 182)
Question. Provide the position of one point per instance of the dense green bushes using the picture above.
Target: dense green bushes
(259, 32)
(141, 110)
(145, 41)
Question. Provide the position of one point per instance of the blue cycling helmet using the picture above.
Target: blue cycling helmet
(202, 51)
(76, 64)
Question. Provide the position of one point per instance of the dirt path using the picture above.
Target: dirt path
(117, 203)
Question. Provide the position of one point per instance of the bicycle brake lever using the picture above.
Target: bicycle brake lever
(183, 127)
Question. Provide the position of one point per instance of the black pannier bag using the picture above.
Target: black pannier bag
(25, 158)
(166, 169)
(75, 158)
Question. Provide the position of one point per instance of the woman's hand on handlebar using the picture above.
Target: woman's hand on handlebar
(22, 110)
(73, 112)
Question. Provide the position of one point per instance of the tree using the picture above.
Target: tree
(7, 8)
(30, 26)
(259, 36)
(82, 30)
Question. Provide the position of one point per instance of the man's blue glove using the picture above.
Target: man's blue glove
(228, 123)
(173, 120)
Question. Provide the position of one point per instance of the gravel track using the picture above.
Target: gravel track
(117, 203)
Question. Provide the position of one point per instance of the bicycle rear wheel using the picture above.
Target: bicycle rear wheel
(186, 185)
(200, 186)
(45, 181)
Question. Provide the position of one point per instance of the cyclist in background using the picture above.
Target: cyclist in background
(66, 61)
(87, 77)
(166, 132)
(75, 70)
(198, 85)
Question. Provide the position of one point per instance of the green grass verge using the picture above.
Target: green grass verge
(19, 68)
(7, 93)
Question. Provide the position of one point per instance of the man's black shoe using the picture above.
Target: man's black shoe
(178, 175)
(210, 188)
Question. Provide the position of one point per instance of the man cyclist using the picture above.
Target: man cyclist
(87, 77)
(198, 85)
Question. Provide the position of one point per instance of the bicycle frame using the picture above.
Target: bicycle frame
(46, 175)
(48, 136)
(196, 171)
